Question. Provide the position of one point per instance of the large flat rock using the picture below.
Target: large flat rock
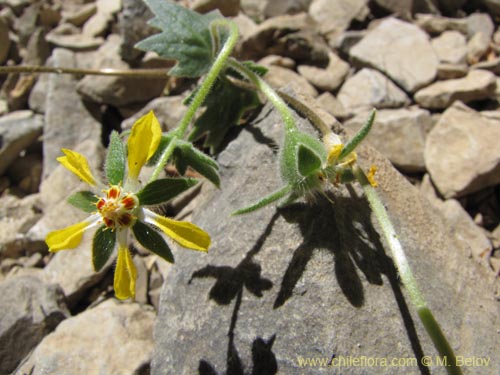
(313, 280)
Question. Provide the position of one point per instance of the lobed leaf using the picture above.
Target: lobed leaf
(185, 37)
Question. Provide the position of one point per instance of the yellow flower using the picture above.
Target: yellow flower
(122, 208)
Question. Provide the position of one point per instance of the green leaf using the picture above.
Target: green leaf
(225, 106)
(360, 135)
(152, 241)
(186, 155)
(84, 200)
(185, 37)
(264, 201)
(308, 161)
(160, 191)
(102, 246)
(115, 159)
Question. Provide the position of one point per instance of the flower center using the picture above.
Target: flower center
(117, 208)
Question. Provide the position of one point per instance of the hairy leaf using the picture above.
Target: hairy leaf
(102, 246)
(152, 241)
(84, 200)
(186, 155)
(115, 160)
(185, 37)
(163, 190)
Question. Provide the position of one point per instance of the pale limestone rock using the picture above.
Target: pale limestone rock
(477, 47)
(399, 134)
(111, 338)
(369, 88)
(400, 50)
(329, 78)
(480, 23)
(435, 24)
(332, 105)
(462, 153)
(335, 16)
(451, 71)
(279, 77)
(477, 85)
(451, 47)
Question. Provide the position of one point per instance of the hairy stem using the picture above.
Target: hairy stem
(269, 92)
(399, 257)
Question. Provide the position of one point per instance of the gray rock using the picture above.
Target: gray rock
(451, 71)
(18, 130)
(335, 16)
(329, 78)
(30, 310)
(169, 111)
(369, 88)
(399, 134)
(293, 36)
(278, 8)
(435, 24)
(133, 26)
(228, 8)
(477, 85)
(480, 23)
(451, 47)
(117, 91)
(69, 36)
(477, 47)
(254, 8)
(280, 77)
(17, 216)
(345, 41)
(4, 40)
(37, 50)
(284, 62)
(410, 60)
(68, 121)
(98, 24)
(491, 65)
(332, 105)
(461, 152)
(79, 14)
(37, 98)
(313, 280)
(402, 8)
(112, 338)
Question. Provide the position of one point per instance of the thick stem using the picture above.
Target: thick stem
(399, 257)
(202, 92)
(218, 65)
(269, 92)
(129, 73)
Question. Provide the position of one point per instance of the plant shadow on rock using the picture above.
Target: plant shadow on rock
(230, 285)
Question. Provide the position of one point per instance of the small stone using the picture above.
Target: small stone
(30, 310)
(18, 96)
(37, 97)
(37, 50)
(18, 130)
(97, 25)
(477, 85)
(117, 91)
(435, 24)
(402, 8)
(66, 37)
(345, 41)
(18, 215)
(410, 60)
(111, 338)
(79, 15)
(284, 62)
(228, 8)
(492, 65)
(246, 27)
(67, 120)
(369, 88)
(399, 134)
(335, 16)
(477, 47)
(329, 78)
(332, 105)
(280, 77)
(4, 40)
(451, 47)
(168, 110)
(480, 23)
(451, 71)
(278, 8)
(462, 153)
(141, 284)
(254, 9)
(49, 15)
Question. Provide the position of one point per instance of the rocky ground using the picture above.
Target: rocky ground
(288, 284)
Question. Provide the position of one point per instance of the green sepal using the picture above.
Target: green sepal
(360, 135)
(264, 201)
(161, 191)
(308, 161)
(102, 246)
(84, 200)
(186, 155)
(185, 37)
(152, 241)
(115, 159)
(225, 106)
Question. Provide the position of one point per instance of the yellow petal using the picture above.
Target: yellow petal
(78, 164)
(143, 142)
(371, 176)
(67, 238)
(183, 232)
(334, 153)
(125, 275)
